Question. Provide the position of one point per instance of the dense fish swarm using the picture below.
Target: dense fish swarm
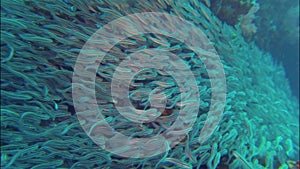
(40, 42)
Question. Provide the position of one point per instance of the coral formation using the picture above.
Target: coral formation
(230, 11)
(246, 24)
(40, 41)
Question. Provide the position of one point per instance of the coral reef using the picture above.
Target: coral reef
(230, 11)
(246, 24)
(40, 41)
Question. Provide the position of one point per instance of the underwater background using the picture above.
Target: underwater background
(257, 42)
